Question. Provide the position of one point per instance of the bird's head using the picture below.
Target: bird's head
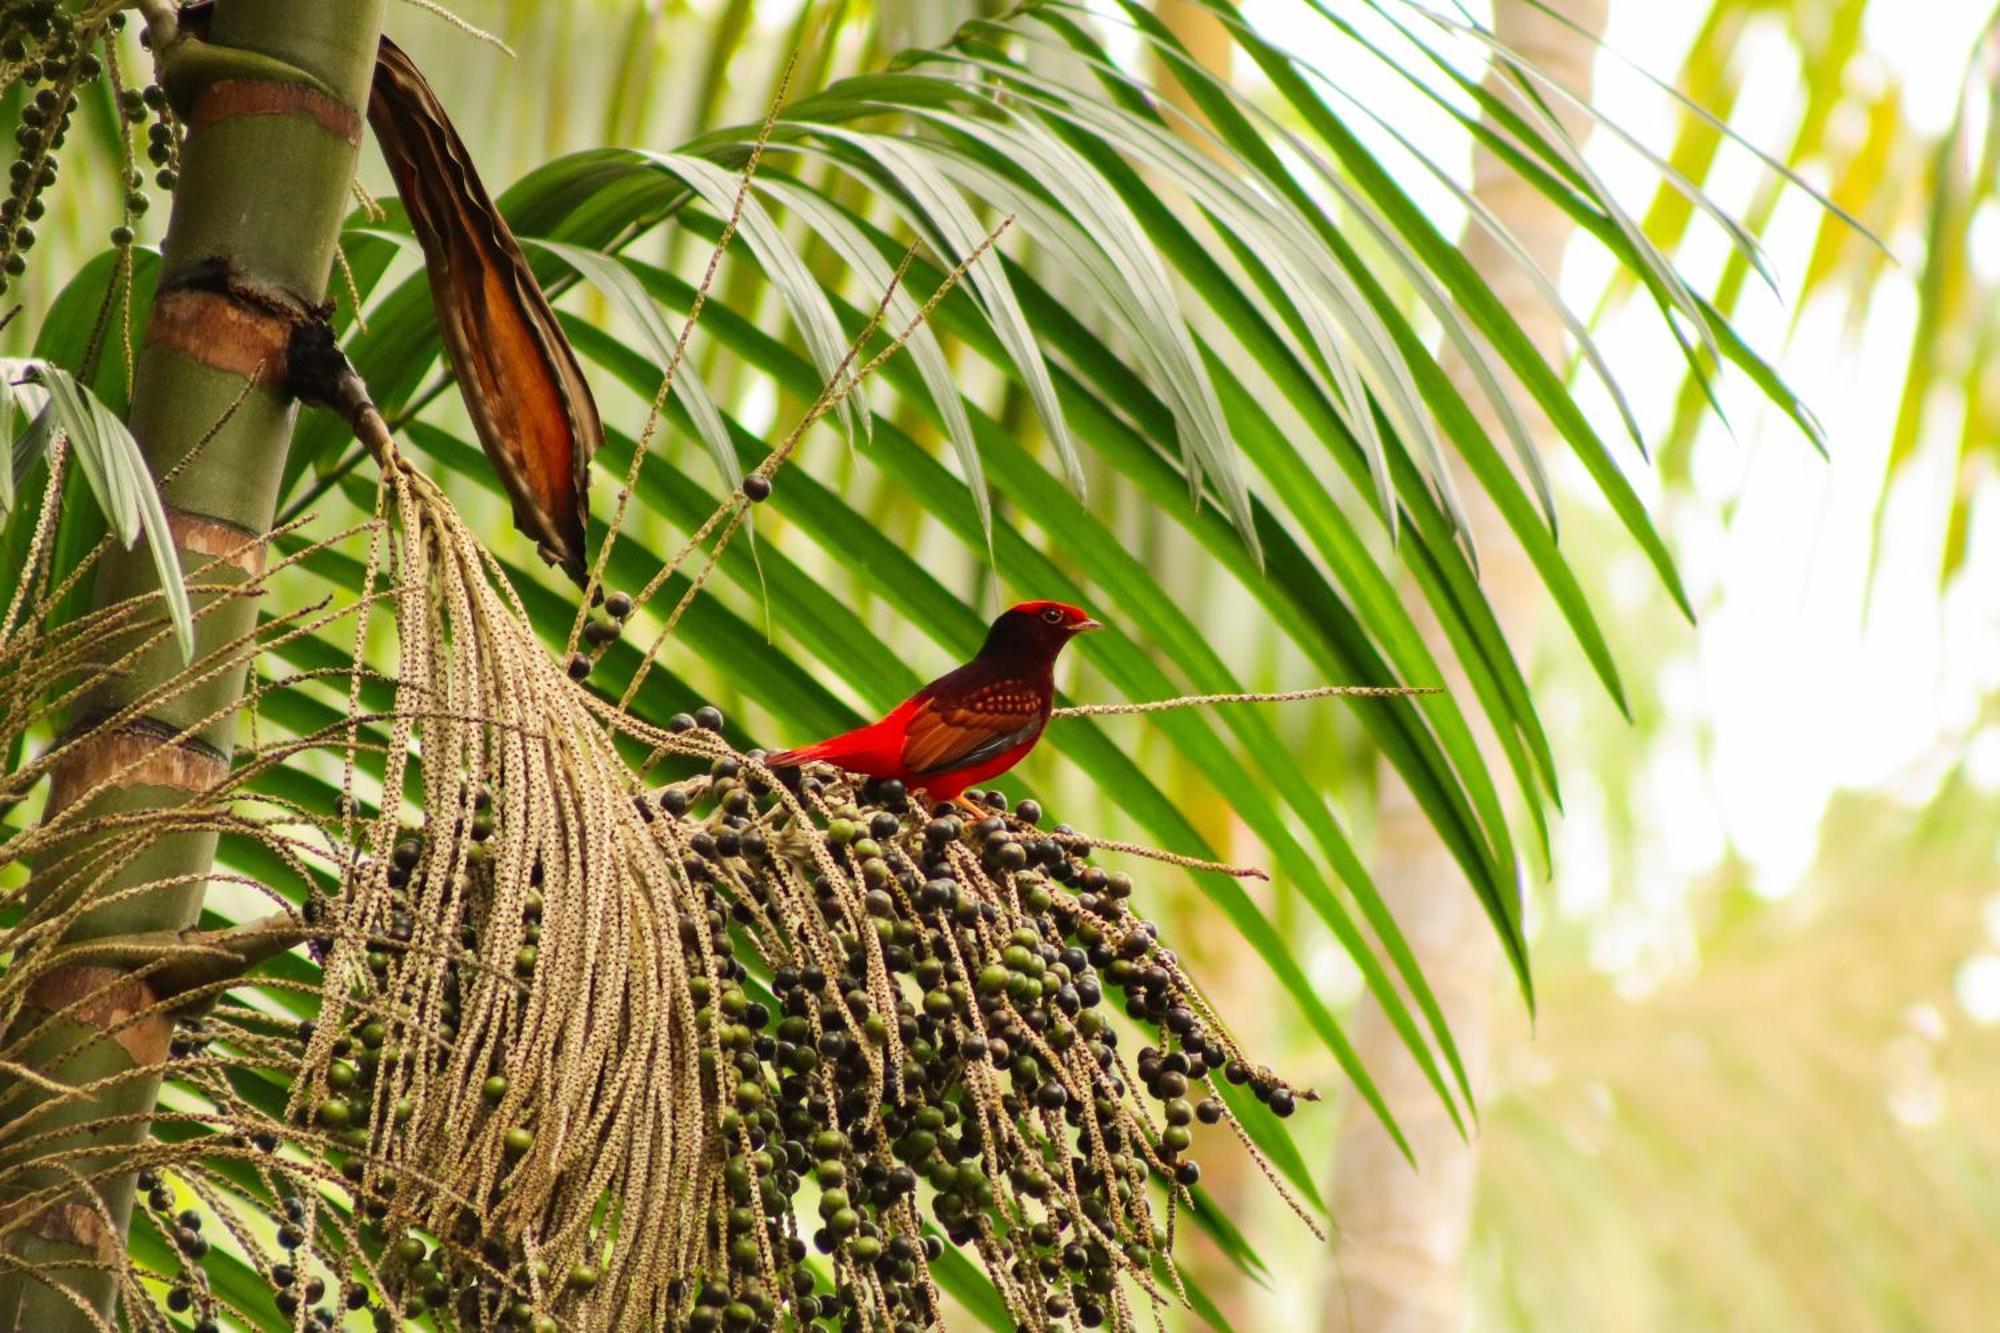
(1036, 630)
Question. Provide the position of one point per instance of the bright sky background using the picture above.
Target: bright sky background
(1803, 677)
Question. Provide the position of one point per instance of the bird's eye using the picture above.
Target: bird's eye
(1053, 616)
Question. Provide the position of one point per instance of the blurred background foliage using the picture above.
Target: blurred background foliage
(1759, 1093)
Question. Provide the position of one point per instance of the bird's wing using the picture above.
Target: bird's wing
(957, 730)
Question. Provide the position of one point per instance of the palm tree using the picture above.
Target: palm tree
(1205, 327)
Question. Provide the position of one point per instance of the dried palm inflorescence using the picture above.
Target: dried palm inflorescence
(589, 1052)
(634, 1029)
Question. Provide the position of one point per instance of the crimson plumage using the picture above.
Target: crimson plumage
(968, 725)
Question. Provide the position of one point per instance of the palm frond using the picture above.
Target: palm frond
(1221, 322)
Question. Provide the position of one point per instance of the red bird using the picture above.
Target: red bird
(970, 724)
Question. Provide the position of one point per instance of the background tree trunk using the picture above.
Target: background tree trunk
(1208, 42)
(277, 100)
(1401, 1247)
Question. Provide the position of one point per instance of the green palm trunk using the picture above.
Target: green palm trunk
(276, 99)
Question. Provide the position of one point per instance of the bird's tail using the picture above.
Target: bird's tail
(858, 751)
(791, 758)
(825, 749)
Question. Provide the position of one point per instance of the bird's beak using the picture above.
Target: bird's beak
(1086, 626)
